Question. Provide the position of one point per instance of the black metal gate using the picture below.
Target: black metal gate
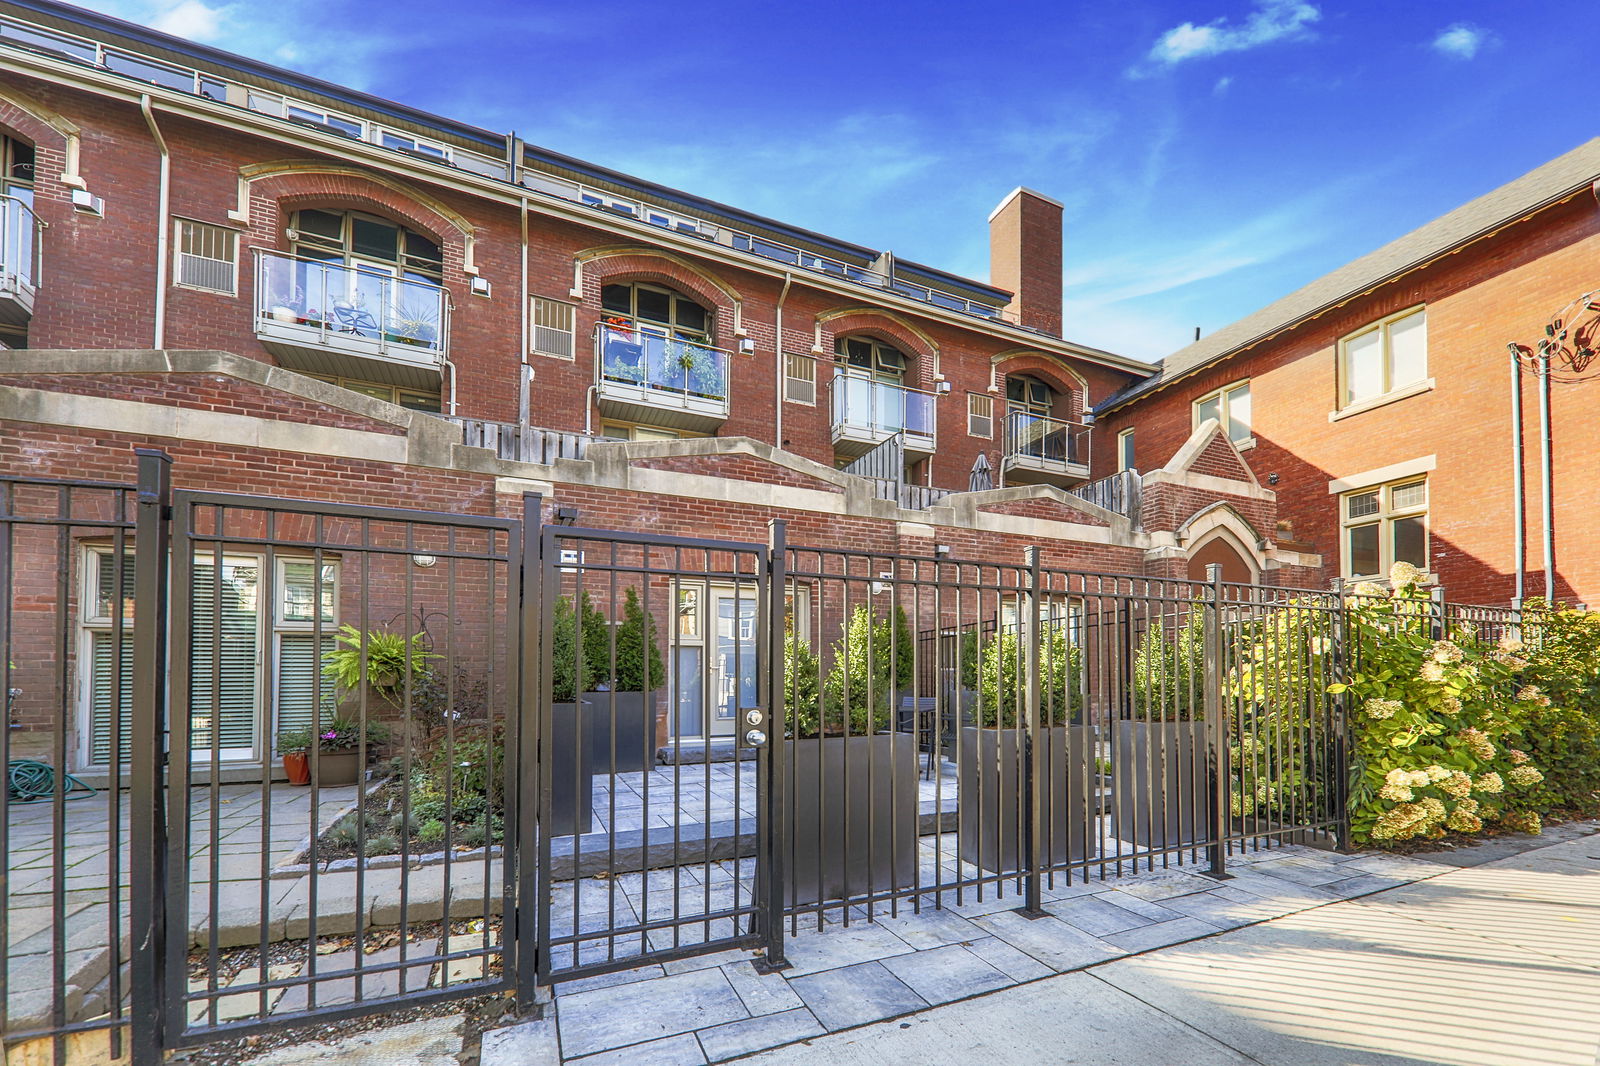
(654, 788)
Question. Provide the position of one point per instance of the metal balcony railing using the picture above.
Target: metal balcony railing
(352, 309)
(869, 411)
(645, 355)
(525, 444)
(1041, 441)
(31, 37)
(19, 249)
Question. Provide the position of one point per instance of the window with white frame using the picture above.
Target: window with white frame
(1230, 406)
(231, 622)
(1125, 450)
(552, 327)
(1384, 525)
(207, 257)
(980, 415)
(1384, 357)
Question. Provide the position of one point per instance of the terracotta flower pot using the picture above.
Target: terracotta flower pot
(298, 767)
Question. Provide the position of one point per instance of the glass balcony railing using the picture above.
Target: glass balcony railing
(868, 411)
(358, 309)
(646, 358)
(1041, 442)
(19, 248)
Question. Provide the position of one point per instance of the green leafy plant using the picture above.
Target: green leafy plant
(344, 733)
(1002, 681)
(570, 674)
(801, 686)
(639, 664)
(378, 658)
(1437, 724)
(1561, 649)
(1169, 671)
(294, 741)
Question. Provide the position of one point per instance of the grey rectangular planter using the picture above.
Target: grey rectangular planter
(993, 791)
(854, 816)
(567, 762)
(1162, 783)
(635, 731)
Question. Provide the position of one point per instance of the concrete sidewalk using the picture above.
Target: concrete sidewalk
(1489, 965)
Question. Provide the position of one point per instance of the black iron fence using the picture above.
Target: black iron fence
(336, 759)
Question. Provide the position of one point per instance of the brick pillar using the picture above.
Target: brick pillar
(1025, 257)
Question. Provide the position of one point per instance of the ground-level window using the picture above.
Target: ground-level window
(1384, 525)
(633, 431)
(410, 399)
(241, 621)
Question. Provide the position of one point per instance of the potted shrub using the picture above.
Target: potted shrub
(378, 659)
(622, 712)
(293, 744)
(333, 755)
(1163, 788)
(852, 792)
(992, 787)
(569, 746)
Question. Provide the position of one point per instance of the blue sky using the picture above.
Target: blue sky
(1212, 154)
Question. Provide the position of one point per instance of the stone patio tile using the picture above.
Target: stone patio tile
(681, 1050)
(605, 1018)
(1228, 908)
(1050, 940)
(525, 1044)
(1097, 916)
(1364, 884)
(608, 980)
(1159, 884)
(1301, 871)
(385, 983)
(1161, 934)
(1014, 963)
(761, 993)
(856, 995)
(942, 975)
(755, 1034)
(1291, 895)
(701, 962)
(933, 927)
(837, 945)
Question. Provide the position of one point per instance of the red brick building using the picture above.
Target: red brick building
(300, 290)
(1377, 401)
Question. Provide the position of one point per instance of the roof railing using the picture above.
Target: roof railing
(32, 37)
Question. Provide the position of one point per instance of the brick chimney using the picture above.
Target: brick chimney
(1025, 257)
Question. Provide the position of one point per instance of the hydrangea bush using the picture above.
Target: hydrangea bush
(1437, 725)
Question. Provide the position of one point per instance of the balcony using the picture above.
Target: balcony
(352, 321)
(19, 260)
(646, 375)
(867, 412)
(1040, 450)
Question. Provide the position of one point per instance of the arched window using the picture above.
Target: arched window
(16, 169)
(872, 358)
(1029, 396)
(684, 319)
(367, 243)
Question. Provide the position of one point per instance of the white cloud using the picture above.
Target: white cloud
(192, 20)
(1221, 86)
(1272, 20)
(1462, 41)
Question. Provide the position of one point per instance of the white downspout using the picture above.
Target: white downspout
(523, 399)
(779, 367)
(163, 222)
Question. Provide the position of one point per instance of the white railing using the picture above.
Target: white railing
(29, 36)
(525, 444)
(356, 308)
(19, 247)
(866, 409)
(642, 355)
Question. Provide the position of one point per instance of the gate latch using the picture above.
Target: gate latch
(755, 736)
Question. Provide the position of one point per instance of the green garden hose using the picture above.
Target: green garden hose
(29, 779)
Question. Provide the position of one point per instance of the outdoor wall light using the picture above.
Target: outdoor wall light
(566, 516)
(424, 561)
(1272, 479)
(941, 549)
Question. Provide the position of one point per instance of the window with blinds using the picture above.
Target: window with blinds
(980, 414)
(552, 328)
(800, 379)
(207, 257)
(234, 613)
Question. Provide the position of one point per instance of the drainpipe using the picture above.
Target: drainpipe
(589, 400)
(163, 221)
(778, 368)
(1544, 457)
(451, 367)
(526, 375)
(1517, 504)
